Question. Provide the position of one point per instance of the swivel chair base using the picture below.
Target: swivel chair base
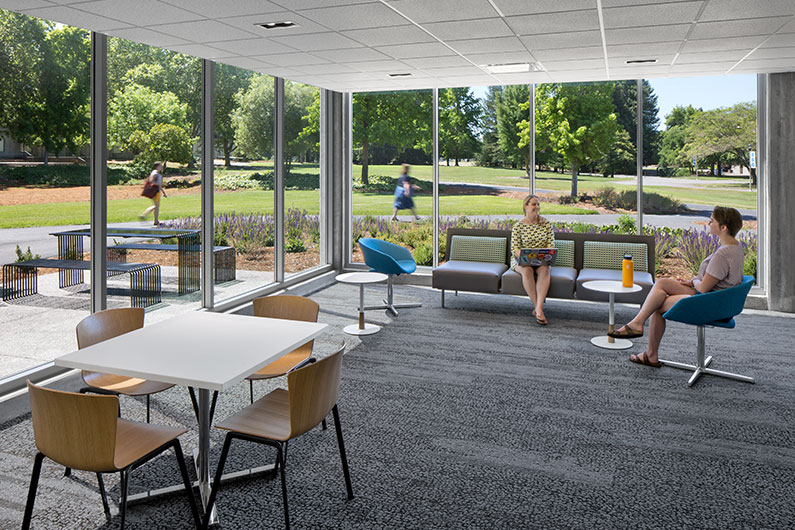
(702, 364)
(388, 304)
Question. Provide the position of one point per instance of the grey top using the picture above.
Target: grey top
(725, 264)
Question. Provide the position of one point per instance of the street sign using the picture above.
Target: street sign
(695, 160)
(752, 157)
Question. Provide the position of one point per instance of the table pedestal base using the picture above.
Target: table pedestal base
(603, 341)
(369, 329)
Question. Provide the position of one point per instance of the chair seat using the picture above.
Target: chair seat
(281, 366)
(268, 417)
(129, 386)
(562, 280)
(135, 440)
(469, 276)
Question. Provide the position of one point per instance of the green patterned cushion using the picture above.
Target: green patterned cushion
(478, 248)
(565, 256)
(609, 255)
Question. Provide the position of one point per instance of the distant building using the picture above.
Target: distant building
(9, 148)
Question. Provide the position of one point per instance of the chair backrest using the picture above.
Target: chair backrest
(104, 325)
(75, 430)
(383, 256)
(313, 392)
(714, 306)
(288, 307)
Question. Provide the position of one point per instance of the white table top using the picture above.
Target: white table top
(611, 286)
(361, 277)
(198, 349)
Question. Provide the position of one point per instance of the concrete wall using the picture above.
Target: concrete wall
(779, 187)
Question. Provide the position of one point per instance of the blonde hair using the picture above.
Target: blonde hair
(526, 201)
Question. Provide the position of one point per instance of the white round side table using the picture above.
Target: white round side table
(611, 287)
(361, 278)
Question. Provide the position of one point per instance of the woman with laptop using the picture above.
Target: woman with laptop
(720, 270)
(533, 232)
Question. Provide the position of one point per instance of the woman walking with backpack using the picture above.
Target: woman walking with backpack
(153, 188)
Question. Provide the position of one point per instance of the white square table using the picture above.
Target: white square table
(204, 350)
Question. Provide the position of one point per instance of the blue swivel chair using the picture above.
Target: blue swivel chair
(392, 260)
(715, 309)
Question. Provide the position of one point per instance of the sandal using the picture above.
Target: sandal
(628, 333)
(540, 321)
(642, 359)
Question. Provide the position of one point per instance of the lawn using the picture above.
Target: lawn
(178, 206)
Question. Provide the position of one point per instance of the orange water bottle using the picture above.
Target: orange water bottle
(627, 270)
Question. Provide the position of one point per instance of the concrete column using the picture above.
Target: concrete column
(778, 192)
(208, 191)
(98, 168)
(333, 156)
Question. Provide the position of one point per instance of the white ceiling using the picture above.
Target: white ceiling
(353, 45)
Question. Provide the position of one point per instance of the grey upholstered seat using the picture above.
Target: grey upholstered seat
(562, 282)
(469, 276)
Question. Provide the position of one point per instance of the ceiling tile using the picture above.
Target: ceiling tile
(781, 39)
(740, 9)
(525, 78)
(440, 62)
(242, 62)
(622, 3)
(351, 55)
(767, 65)
(481, 29)
(500, 44)
(78, 19)
(424, 11)
(583, 64)
(390, 65)
(710, 57)
(639, 71)
(20, 5)
(501, 57)
(621, 62)
(554, 22)
(695, 68)
(523, 7)
(592, 52)
(291, 59)
(554, 41)
(466, 81)
(250, 23)
(321, 69)
(455, 71)
(649, 15)
(252, 47)
(147, 36)
(408, 51)
(646, 34)
(216, 9)
(318, 41)
(736, 28)
(652, 49)
(789, 27)
(592, 74)
(360, 16)
(713, 45)
(311, 4)
(773, 53)
(203, 31)
(200, 50)
(390, 35)
(139, 13)
(276, 71)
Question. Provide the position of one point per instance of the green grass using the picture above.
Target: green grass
(178, 206)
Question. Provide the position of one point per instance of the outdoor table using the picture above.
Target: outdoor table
(70, 246)
(611, 287)
(361, 278)
(202, 350)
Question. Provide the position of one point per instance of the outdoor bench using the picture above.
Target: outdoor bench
(21, 279)
(479, 260)
(224, 257)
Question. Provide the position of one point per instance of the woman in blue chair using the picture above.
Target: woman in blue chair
(720, 270)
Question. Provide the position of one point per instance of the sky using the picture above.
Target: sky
(704, 92)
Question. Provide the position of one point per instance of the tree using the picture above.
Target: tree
(253, 119)
(309, 137)
(165, 142)
(625, 100)
(490, 153)
(674, 138)
(298, 100)
(137, 109)
(512, 118)
(727, 133)
(230, 82)
(459, 114)
(399, 119)
(621, 153)
(580, 121)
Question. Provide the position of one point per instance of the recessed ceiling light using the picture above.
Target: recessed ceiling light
(641, 61)
(511, 68)
(402, 74)
(278, 25)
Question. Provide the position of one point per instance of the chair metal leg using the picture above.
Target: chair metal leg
(388, 303)
(34, 484)
(208, 509)
(125, 482)
(323, 424)
(104, 495)
(282, 459)
(442, 298)
(343, 456)
(251, 391)
(183, 469)
(702, 364)
(147, 408)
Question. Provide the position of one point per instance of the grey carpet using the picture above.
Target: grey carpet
(475, 417)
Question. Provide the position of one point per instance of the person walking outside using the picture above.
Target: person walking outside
(153, 188)
(403, 194)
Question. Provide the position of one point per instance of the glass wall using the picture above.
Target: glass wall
(44, 186)
(302, 177)
(244, 181)
(393, 136)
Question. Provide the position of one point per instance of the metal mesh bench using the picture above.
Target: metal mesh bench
(21, 279)
(225, 258)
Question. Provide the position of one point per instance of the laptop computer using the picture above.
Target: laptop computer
(534, 257)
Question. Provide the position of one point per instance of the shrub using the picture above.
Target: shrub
(25, 256)
(626, 224)
(59, 176)
(294, 244)
(567, 199)
(655, 203)
(423, 254)
(749, 266)
(695, 246)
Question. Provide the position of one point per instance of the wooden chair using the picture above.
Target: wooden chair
(289, 307)
(83, 431)
(283, 415)
(104, 325)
